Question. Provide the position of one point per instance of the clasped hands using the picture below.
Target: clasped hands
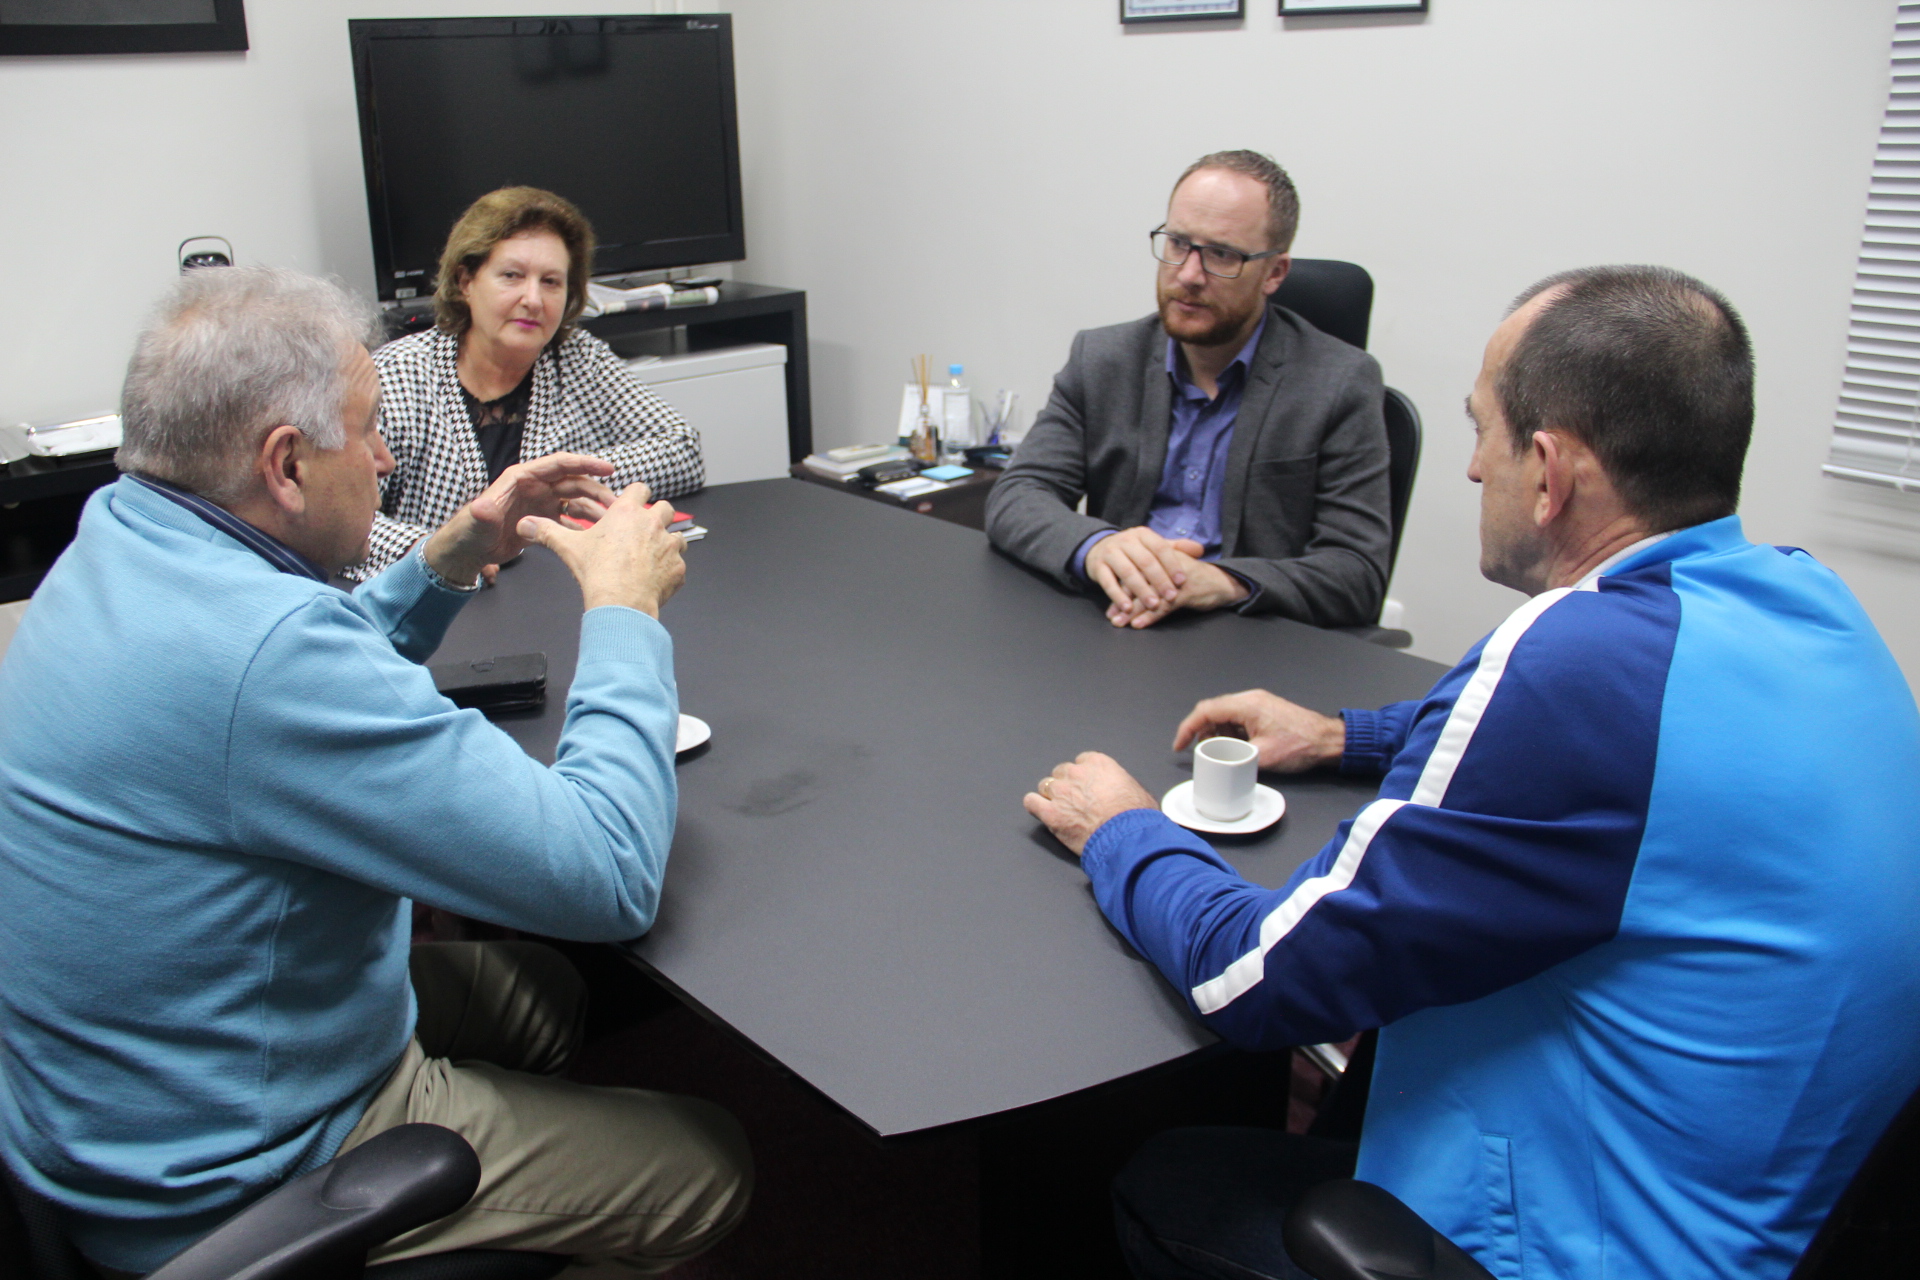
(1146, 577)
(1082, 795)
(617, 548)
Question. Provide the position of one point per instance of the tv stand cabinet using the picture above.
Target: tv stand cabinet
(40, 501)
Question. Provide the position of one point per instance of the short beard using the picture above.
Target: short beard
(1223, 330)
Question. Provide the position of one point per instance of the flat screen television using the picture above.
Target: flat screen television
(631, 118)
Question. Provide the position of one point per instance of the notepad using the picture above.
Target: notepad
(904, 489)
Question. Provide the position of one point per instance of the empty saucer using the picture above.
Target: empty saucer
(693, 732)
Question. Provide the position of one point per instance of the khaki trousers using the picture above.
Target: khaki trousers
(626, 1181)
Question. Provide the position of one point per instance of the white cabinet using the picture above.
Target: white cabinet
(736, 397)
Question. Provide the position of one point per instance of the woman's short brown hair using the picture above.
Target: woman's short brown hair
(496, 216)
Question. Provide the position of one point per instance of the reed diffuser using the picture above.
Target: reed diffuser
(924, 443)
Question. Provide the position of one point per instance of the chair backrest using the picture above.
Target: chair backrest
(1403, 463)
(1349, 1230)
(16, 1258)
(32, 1244)
(1337, 297)
(1874, 1229)
(1334, 297)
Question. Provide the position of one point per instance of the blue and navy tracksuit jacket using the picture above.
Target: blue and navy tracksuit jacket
(1638, 907)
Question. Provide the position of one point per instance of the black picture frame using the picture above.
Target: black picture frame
(1314, 8)
(227, 33)
(1226, 11)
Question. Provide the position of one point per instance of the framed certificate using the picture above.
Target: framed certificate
(121, 26)
(1296, 8)
(1180, 10)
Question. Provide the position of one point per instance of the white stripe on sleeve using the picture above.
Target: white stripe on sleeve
(1437, 775)
(1245, 972)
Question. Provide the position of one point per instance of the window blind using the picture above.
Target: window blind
(1876, 431)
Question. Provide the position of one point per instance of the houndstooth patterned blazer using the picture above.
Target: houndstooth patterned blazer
(585, 400)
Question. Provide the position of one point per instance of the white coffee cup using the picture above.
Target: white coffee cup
(1224, 772)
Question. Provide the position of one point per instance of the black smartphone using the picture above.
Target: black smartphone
(516, 682)
(885, 472)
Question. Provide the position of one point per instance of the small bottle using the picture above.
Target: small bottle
(924, 443)
(957, 428)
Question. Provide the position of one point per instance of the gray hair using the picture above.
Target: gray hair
(1283, 202)
(229, 354)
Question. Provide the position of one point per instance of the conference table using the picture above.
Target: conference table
(854, 887)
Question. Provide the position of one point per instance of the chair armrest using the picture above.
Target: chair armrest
(325, 1221)
(1348, 1230)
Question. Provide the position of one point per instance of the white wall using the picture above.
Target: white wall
(976, 180)
(107, 163)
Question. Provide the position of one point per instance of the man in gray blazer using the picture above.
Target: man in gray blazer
(1231, 454)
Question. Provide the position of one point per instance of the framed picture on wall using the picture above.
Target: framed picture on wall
(122, 26)
(1171, 10)
(1294, 8)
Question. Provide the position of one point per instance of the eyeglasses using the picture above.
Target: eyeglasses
(1173, 248)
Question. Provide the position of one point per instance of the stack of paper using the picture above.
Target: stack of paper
(61, 439)
(844, 464)
(604, 299)
(914, 488)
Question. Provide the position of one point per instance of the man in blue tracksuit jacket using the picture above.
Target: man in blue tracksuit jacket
(1636, 906)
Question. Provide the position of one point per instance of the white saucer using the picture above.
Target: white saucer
(1268, 806)
(693, 732)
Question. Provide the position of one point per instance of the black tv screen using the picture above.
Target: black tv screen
(631, 118)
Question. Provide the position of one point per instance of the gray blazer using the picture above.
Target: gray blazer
(1304, 510)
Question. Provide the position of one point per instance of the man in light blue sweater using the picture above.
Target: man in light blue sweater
(222, 780)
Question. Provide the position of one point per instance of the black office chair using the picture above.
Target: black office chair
(1337, 298)
(1334, 297)
(1348, 1230)
(1403, 464)
(1874, 1229)
(320, 1224)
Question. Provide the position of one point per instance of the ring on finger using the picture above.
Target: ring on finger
(1046, 787)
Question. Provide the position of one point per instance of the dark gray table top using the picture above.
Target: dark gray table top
(854, 886)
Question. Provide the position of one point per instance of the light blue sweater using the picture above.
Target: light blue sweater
(219, 786)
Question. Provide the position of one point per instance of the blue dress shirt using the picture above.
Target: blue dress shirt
(1187, 502)
(271, 549)
(259, 541)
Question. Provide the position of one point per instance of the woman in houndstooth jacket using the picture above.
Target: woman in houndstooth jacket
(505, 376)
